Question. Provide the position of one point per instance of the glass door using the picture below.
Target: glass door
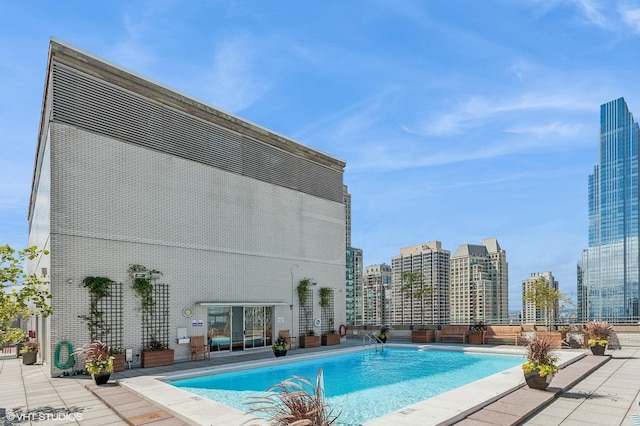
(219, 326)
(258, 326)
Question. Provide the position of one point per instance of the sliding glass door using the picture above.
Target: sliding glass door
(239, 327)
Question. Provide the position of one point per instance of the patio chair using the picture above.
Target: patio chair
(199, 346)
(291, 341)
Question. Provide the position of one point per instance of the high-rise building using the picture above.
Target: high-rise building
(425, 300)
(479, 283)
(353, 268)
(530, 313)
(609, 267)
(377, 294)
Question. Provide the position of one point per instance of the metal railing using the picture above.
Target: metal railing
(368, 339)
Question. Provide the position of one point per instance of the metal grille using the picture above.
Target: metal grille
(111, 317)
(100, 107)
(305, 313)
(328, 315)
(155, 318)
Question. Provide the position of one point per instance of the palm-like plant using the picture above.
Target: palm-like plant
(295, 401)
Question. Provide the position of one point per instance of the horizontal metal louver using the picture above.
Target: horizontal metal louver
(92, 104)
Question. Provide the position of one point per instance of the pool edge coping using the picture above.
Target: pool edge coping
(446, 408)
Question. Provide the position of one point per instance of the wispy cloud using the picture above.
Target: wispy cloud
(631, 16)
(475, 110)
(555, 128)
(234, 80)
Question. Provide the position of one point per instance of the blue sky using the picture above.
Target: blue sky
(458, 120)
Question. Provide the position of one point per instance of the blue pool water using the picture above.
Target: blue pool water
(363, 385)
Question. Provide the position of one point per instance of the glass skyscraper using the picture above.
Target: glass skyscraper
(608, 274)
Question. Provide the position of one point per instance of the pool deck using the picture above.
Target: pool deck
(590, 390)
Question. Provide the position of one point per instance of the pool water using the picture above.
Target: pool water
(363, 385)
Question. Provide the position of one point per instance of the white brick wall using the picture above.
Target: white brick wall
(215, 235)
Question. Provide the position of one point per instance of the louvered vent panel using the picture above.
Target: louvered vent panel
(95, 105)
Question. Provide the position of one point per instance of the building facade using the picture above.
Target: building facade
(426, 300)
(354, 265)
(530, 313)
(129, 172)
(608, 272)
(377, 294)
(479, 284)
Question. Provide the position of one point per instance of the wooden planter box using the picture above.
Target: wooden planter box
(475, 339)
(555, 337)
(330, 339)
(157, 358)
(309, 341)
(118, 363)
(422, 336)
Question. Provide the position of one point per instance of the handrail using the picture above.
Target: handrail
(372, 337)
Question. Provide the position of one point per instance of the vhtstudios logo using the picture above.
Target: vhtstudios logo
(41, 416)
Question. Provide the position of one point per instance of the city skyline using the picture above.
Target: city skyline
(453, 129)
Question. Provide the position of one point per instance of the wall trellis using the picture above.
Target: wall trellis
(155, 318)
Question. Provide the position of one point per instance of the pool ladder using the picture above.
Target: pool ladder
(368, 339)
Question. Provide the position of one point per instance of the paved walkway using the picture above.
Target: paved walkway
(608, 396)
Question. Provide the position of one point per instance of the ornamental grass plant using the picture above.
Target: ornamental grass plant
(540, 357)
(598, 333)
(97, 357)
(295, 401)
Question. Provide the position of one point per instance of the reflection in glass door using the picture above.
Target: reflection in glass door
(257, 326)
(219, 325)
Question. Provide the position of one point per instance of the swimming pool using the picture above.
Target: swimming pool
(362, 385)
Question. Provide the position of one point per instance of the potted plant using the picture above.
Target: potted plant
(280, 347)
(157, 354)
(118, 359)
(541, 363)
(331, 337)
(97, 361)
(383, 334)
(597, 334)
(476, 332)
(309, 340)
(29, 352)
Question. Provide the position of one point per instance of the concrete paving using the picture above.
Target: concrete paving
(607, 396)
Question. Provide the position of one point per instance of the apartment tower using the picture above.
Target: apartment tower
(531, 314)
(479, 283)
(425, 300)
(377, 294)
